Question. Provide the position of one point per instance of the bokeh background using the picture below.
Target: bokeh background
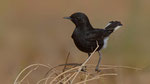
(34, 31)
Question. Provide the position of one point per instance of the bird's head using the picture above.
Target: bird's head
(79, 19)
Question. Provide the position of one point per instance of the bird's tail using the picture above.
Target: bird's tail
(112, 26)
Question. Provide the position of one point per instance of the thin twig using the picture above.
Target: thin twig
(28, 74)
(86, 77)
(70, 77)
(49, 77)
(41, 80)
(70, 64)
(18, 76)
(97, 77)
(63, 78)
(114, 66)
(85, 63)
(66, 62)
(62, 74)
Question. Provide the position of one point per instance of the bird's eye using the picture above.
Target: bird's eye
(78, 18)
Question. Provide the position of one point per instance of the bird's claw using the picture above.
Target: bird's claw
(97, 70)
(84, 69)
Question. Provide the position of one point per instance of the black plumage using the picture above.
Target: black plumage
(85, 36)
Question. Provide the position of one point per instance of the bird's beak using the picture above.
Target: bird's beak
(67, 18)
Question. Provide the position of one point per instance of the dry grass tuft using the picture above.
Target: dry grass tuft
(70, 73)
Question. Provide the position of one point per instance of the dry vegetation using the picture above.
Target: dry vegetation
(70, 73)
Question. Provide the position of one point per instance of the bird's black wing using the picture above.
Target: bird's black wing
(95, 34)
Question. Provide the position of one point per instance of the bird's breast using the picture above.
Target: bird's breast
(84, 44)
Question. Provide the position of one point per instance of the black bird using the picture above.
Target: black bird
(85, 36)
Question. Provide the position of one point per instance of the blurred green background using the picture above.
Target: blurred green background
(34, 31)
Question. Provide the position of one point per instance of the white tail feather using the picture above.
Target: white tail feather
(107, 24)
(105, 42)
(117, 28)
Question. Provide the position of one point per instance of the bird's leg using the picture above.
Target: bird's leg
(89, 54)
(84, 67)
(97, 66)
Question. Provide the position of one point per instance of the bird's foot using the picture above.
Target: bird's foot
(84, 69)
(97, 70)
